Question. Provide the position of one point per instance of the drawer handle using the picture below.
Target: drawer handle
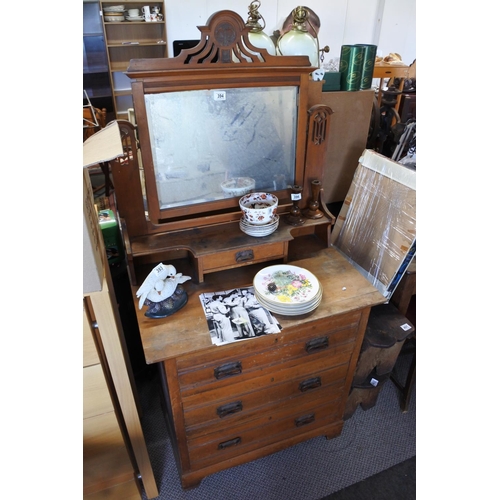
(306, 419)
(311, 383)
(229, 409)
(227, 444)
(244, 255)
(317, 344)
(228, 369)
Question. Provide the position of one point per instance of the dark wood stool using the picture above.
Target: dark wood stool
(385, 336)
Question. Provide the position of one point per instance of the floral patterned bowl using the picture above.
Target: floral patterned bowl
(259, 208)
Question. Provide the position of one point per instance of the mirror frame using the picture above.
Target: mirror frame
(223, 59)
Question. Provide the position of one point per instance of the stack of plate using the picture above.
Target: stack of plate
(259, 230)
(287, 290)
(114, 8)
(134, 18)
(114, 14)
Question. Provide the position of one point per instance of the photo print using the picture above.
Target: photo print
(235, 315)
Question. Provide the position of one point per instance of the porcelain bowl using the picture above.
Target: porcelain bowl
(259, 208)
(238, 186)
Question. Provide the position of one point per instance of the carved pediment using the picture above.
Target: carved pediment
(224, 42)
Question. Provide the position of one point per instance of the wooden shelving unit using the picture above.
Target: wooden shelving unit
(95, 60)
(130, 40)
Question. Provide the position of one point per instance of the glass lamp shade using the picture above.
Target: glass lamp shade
(299, 43)
(262, 41)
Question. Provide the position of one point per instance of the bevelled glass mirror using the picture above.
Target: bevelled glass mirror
(243, 139)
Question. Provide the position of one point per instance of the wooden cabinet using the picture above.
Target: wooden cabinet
(128, 40)
(115, 456)
(105, 466)
(227, 405)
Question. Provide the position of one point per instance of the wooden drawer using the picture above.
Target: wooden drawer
(282, 423)
(220, 366)
(243, 256)
(220, 409)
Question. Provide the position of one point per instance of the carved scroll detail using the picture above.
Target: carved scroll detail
(319, 123)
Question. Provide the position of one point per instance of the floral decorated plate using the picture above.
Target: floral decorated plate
(284, 284)
(290, 309)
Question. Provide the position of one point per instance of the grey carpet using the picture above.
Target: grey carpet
(371, 441)
(397, 482)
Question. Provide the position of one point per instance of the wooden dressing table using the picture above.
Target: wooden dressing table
(230, 404)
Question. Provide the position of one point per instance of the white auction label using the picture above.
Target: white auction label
(219, 95)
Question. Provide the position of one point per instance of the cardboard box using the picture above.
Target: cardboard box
(376, 228)
(332, 81)
(103, 146)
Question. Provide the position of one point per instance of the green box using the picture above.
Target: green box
(111, 235)
(332, 81)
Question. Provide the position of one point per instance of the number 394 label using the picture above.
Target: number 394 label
(219, 95)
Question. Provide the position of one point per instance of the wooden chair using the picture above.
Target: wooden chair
(94, 119)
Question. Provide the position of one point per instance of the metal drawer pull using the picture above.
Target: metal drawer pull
(317, 344)
(306, 419)
(227, 444)
(229, 409)
(228, 369)
(311, 383)
(244, 255)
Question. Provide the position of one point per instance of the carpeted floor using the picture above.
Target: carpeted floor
(397, 482)
(372, 441)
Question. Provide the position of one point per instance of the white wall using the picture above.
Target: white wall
(389, 24)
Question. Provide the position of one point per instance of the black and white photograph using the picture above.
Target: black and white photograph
(235, 315)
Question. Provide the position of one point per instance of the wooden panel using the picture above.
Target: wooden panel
(96, 399)
(111, 334)
(122, 491)
(90, 356)
(105, 458)
(350, 123)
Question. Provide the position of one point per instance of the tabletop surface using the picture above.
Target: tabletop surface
(186, 331)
